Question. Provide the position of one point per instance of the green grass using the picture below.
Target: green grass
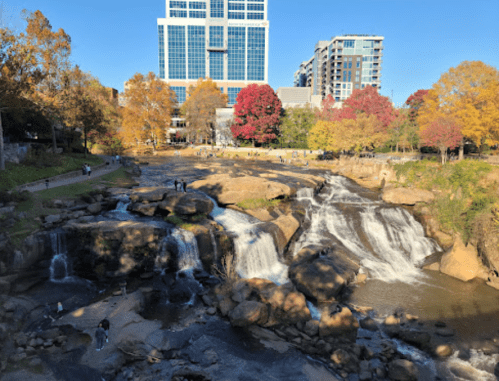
(257, 203)
(42, 166)
(176, 220)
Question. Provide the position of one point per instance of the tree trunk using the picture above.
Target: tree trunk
(2, 158)
(461, 150)
(85, 138)
(397, 147)
(54, 141)
(443, 152)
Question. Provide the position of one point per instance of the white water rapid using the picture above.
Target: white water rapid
(188, 252)
(59, 265)
(256, 255)
(388, 240)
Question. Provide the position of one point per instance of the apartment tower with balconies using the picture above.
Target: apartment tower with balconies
(339, 66)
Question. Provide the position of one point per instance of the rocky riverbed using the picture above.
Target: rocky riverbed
(180, 322)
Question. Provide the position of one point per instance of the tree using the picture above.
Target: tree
(18, 75)
(200, 107)
(415, 101)
(257, 113)
(147, 114)
(332, 113)
(468, 94)
(51, 51)
(403, 132)
(296, 124)
(443, 133)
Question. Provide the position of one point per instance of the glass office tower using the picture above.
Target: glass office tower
(225, 40)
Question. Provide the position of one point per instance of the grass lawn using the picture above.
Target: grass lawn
(42, 166)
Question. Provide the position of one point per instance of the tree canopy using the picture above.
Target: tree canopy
(296, 125)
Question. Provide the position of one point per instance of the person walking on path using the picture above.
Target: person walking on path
(105, 324)
(176, 184)
(84, 169)
(100, 335)
(184, 186)
(89, 170)
(123, 289)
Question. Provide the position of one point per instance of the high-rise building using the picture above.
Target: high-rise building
(342, 65)
(225, 40)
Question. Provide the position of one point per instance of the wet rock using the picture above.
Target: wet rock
(186, 204)
(53, 218)
(226, 305)
(391, 320)
(241, 291)
(443, 351)
(340, 357)
(406, 196)
(369, 324)
(149, 194)
(145, 209)
(248, 313)
(402, 370)
(462, 262)
(338, 321)
(94, 208)
(211, 311)
(282, 229)
(18, 357)
(418, 339)
(21, 339)
(311, 327)
(433, 267)
(445, 332)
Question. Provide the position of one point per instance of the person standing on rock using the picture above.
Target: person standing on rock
(100, 335)
(123, 289)
(176, 184)
(105, 324)
(184, 186)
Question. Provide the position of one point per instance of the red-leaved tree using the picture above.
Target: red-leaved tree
(415, 101)
(331, 114)
(256, 114)
(443, 133)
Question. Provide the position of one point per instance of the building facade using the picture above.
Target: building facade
(339, 66)
(225, 40)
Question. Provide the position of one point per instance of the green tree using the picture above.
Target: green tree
(296, 125)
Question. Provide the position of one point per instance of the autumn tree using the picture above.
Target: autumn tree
(296, 125)
(200, 107)
(256, 114)
(443, 133)
(147, 114)
(403, 132)
(329, 112)
(468, 95)
(415, 101)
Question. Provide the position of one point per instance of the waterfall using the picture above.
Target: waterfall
(188, 253)
(120, 212)
(256, 255)
(388, 240)
(59, 265)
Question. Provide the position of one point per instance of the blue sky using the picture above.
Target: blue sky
(115, 39)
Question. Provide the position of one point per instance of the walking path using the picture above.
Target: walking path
(56, 182)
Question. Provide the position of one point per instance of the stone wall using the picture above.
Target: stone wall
(15, 152)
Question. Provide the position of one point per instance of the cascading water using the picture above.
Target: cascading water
(389, 242)
(120, 212)
(59, 265)
(256, 255)
(188, 252)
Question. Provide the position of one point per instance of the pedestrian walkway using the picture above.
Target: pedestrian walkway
(54, 182)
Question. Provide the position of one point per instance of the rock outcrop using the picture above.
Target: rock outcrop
(338, 321)
(406, 196)
(462, 262)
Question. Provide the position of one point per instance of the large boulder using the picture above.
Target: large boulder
(145, 209)
(283, 229)
(462, 262)
(248, 313)
(338, 321)
(406, 196)
(186, 203)
(321, 276)
(204, 238)
(149, 194)
(33, 249)
(229, 190)
(402, 370)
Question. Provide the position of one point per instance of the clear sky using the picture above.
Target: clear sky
(115, 39)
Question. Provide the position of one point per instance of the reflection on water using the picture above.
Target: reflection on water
(471, 308)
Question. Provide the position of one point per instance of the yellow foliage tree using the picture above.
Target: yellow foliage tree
(148, 109)
(468, 94)
(200, 108)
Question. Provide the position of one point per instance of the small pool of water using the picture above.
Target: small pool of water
(471, 308)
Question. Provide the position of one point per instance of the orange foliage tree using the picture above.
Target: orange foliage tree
(148, 110)
(200, 108)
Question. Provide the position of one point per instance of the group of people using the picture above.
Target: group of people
(117, 158)
(182, 184)
(85, 169)
(47, 312)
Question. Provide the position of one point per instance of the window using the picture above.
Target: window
(349, 44)
(256, 54)
(161, 34)
(236, 15)
(345, 64)
(350, 65)
(357, 86)
(233, 93)
(363, 85)
(177, 13)
(216, 36)
(178, 4)
(256, 7)
(217, 66)
(197, 5)
(197, 14)
(217, 9)
(236, 53)
(176, 52)
(196, 50)
(255, 16)
(344, 85)
(236, 6)
(180, 92)
(358, 64)
(349, 76)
